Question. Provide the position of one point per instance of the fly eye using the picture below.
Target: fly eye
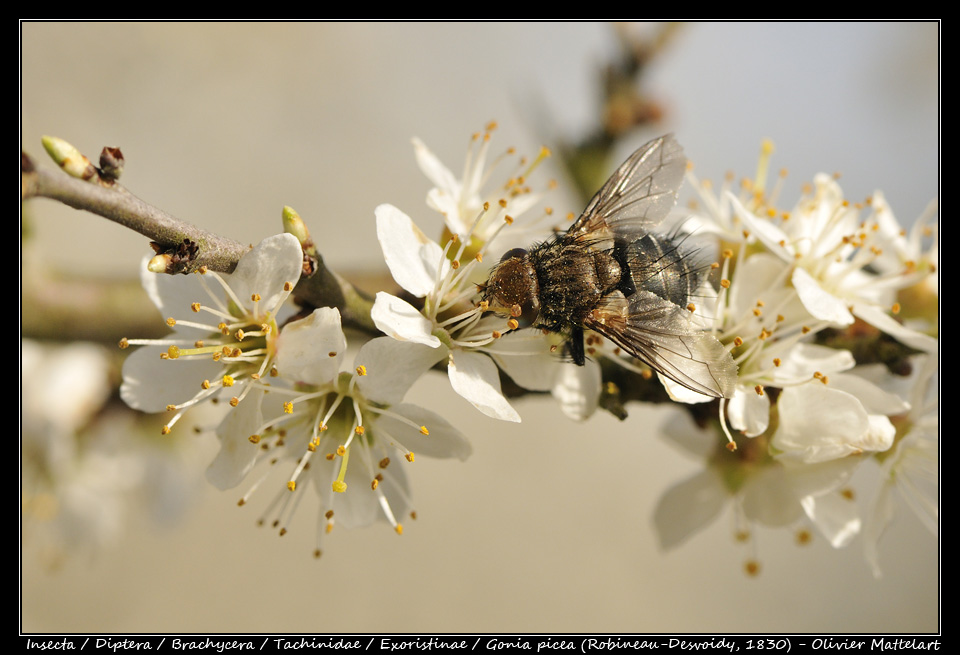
(518, 253)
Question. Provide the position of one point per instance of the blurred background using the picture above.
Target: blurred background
(548, 527)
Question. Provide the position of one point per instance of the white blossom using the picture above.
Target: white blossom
(224, 329)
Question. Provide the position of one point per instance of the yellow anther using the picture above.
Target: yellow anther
(759, 389)
(361, 370)
(239, 335)
(287, 286)
(384, 463)
(478, 256)
(691, 307)
(738, 342)
(205, 384)
(409, 457)
(173, 352)
(171, 408)
(752, 567)
(228, 380)
(255, 297)
(455, 264)
(195, 306)
(503, 203)
(399, 528)
(288, 407)
(339, 486)
(171, 321)
(123, 343)
(254, 438)
(359, 430)
(513, 324)
(727, 254)
(424, 430)
(234, 401)
(896, 308)
(776, 361)
(292, 485)
(725, 283)
(732, 446)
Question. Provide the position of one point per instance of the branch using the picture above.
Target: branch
(120, 206)
(183, 247)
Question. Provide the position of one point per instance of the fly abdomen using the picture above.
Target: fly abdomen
(658, 265)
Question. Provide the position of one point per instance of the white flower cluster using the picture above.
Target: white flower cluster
(799, 292)
(290, 400)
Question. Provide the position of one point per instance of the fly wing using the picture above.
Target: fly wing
(639, 195)
(661, 335)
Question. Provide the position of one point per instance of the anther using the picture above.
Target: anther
(361, 370)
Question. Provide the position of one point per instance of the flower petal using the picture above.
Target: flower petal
(264, 270)
(688, 507)
(399, 319)
(834, 515)
(476, 378)
(443, 440)
(310, 350)
(413, 258)
(819, 302)
(237, 453)
(577, 389)
(150, 384)
(392, 367)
